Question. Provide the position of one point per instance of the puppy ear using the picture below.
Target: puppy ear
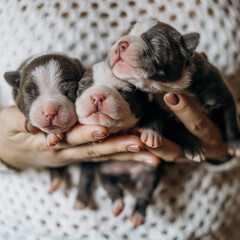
(13, 78)
(79, 65)
(190, 41)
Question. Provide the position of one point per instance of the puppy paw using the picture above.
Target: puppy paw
(79, 205)
(234, 148)
(137, 219)
(56, 182)
(118, 206)
(197, 155)
(150, 137)
(53, 139)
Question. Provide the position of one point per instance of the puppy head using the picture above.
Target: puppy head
(105, 100)
(154, 51)
(44, 89)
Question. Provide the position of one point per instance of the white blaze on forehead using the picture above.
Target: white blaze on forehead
(103, 76)
(141, 27)
(47, 77)
(36, 56)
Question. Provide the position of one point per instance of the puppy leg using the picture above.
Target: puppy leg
(232, 131)
(193, 150)
(110, 184)
(150, 137)
(56, 178)
(85, 185)
(53, 139)
(147, 181)
(191, 147)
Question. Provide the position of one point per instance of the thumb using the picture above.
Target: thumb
(14, 121)
(30, 128)
(193, 119)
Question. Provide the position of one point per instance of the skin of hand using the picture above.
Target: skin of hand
(21, 148)
(198, 124)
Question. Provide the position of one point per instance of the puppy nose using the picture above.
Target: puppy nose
(123, 45)
(50, 114)
(98, 99)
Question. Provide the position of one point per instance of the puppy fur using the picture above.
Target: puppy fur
(44, 89)
(156, 58)
(104, 100)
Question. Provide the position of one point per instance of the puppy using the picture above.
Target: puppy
(104, 100)
(156, 58)
(44, 89)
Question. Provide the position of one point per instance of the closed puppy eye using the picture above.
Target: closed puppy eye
(31, 92)
(84, 83)
(81, 88)
(69, 90)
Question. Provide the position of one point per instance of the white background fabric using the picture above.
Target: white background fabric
(192, 201)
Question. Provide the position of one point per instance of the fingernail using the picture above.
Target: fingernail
(99, 135)
(172, 98)
(133, 148)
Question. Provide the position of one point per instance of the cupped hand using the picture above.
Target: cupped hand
(22, 145)
(198, 124)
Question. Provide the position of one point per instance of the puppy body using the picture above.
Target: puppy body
(104, 100)
(156, 58)
(44, 89)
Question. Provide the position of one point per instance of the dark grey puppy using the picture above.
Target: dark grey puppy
(44, 89)
(105, 100)
(156, 58)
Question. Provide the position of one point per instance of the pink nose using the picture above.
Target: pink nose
(98, 99)
(50, 114)
(122, 46)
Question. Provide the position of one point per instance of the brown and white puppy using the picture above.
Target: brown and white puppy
(104, 100)
(44, 89)
(156, 58)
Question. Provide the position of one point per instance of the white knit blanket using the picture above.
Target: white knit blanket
(192, 201)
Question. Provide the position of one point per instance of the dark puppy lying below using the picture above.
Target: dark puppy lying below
(156, 58)
(44, 89)
(104, 100)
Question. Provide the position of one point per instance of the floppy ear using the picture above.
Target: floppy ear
(13, 78)
(190, 41)
(80, 67)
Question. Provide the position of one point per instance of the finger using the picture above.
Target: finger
(111, 145)
(14, 120)
(30, 128)
(81, 134)
(169, 151)
(143, 156)
(194, 120)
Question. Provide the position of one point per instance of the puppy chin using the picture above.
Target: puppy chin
(124, 70)
(58, 126)
(98, 119)
(54, 128)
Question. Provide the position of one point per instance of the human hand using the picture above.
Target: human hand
(22, 145)
(198, 124)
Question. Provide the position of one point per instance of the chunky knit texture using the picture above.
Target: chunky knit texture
(192, 201)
